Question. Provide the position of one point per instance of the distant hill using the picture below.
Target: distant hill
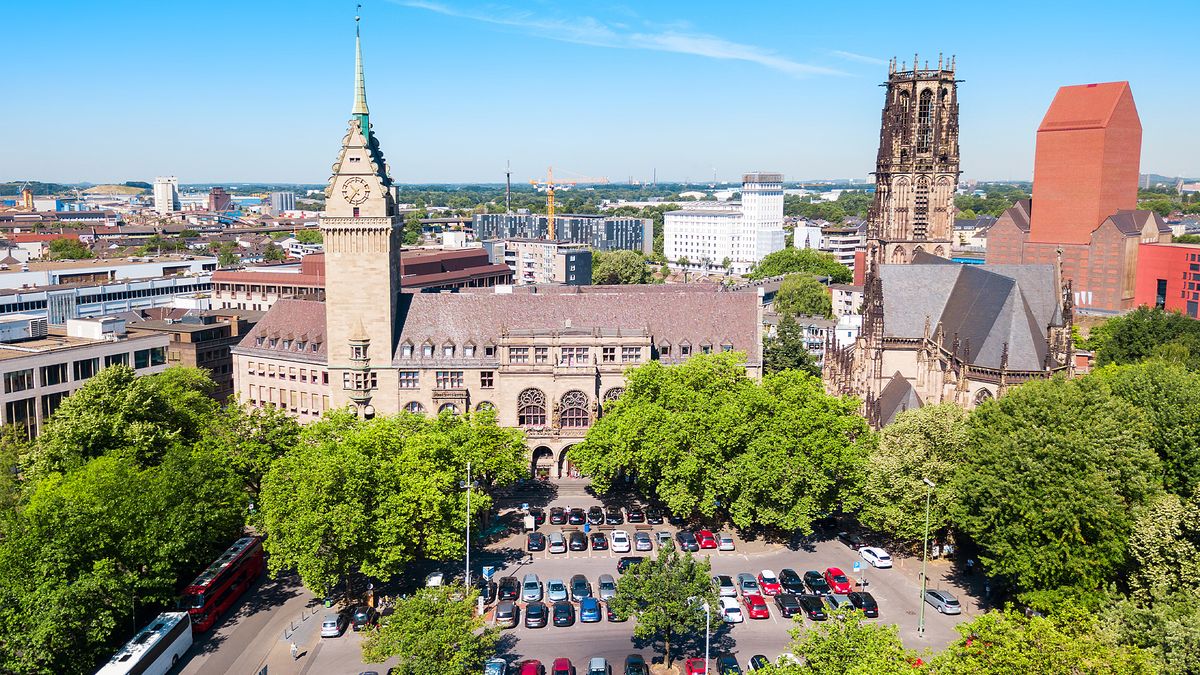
(114, 190)
(37, 188)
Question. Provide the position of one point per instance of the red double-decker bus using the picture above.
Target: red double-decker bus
(219, 586)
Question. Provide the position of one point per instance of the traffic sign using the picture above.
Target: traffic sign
(488, 571)
(857, 565)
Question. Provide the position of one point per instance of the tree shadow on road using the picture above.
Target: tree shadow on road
(265, 595)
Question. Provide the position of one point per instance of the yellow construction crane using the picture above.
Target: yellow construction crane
(548, 185)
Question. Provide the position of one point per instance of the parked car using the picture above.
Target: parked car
(606, 587)
(556, 590)
(487, 590)
(838, 581)
(642, 541)
(597, 665)
(813, 606)
(705, 539)
(747, 583)
(635, 515)
(665, 542)
(620, 541)
(613, 516)
(505, 615)
(627, 561)
(561, 666)
(837, 601)
(728, 665)
(577, 541)
(536, 615)
(362, 617)
(576, 516)
(731, 612)
(599, 541)
(535, 541)
(943, 601)
(435, 579)
(595, 515)
(877, 557)
(539, 515)
(769, 583)
(557, 543)
(558, 515)
(866, 602)
(532, 667)
(510, 588)
(613, 617)
(496, 666)
(725, 586)
(852, 540)
(531, 588)
(654, 517)
(695, 667)
(563, 614)
(333, 624)
(725, 542)
(687, 541)
(580, 588)
(756, 606)
(636, 665)
(790, 581)
(787, 604)
(589, 610)
(758, 662)
(816, 583)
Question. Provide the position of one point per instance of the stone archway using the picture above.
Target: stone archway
(542, 463)
(565, 468)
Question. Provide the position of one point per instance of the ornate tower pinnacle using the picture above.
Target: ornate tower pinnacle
(360, 85)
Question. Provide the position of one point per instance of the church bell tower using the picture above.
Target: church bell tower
(362, 238)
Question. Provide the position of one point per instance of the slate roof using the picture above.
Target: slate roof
(1131, 222)
(295, 320)
(897, 396)
(986, 306)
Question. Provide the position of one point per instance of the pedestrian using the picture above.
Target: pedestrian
(971, 566)
(295, 651)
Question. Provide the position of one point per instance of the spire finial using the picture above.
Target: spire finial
(360, 86)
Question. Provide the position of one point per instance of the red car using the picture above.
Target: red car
(756, 606)
(706, 539)
(838, 581)
(693, 667)
(769, 583)
(562, 667)
(532, 667)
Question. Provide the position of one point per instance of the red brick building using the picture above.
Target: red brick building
(1084, 206)
(1168, 277)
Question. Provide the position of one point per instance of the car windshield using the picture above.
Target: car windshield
(768, 579)
(840, 578)
(193, 601)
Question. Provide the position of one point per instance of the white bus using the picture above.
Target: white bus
(155, 649)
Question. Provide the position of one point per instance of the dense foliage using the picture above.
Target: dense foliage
(666, 594)
(620, 267)
(434, 632)
(704, 438)
(801, 261)
(69, 249)
(998, 197)
(1143, 333)
(787, 349)
(847, 644)
(802, 294)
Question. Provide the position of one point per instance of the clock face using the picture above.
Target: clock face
(356, 190)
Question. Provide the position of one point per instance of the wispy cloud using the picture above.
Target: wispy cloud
(860, 58)
(593, 32)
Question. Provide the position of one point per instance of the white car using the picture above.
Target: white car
(435, 579)
(620, 541)
(725, 541)
(877, 557)
(731, 611)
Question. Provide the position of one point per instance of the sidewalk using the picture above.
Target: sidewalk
(300, 621)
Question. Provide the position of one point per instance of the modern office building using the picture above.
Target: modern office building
(282, 201)
(166, 195)
(203, 340)
(843, 242)
(707, 234)
(542, 261)
(1168, 277)
(603, 233)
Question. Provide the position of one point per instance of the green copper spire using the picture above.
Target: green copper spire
(360, 86)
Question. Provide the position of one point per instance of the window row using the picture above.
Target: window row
(287, 344)
(80, 369)
(263, 369)
(574, 355)
(301, 402)
(446, 351)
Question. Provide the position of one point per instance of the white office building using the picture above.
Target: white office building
(708, 233)
(166, 195)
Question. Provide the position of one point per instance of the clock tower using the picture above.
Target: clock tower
(362, 239)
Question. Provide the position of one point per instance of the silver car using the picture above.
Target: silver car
(598, 666)
(725, 586)
(725, 542)
(531, 588)
(332, 625)
(607, 587)
(943, 601)
(642, 541)
(746, 583)
(556, 589)
(506, 614)
(836, 601)
(557, 543)
(665, 541)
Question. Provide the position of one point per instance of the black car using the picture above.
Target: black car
(654, 517)
(487, 591)
(790, 580)
(636, 515)
(539, 515)
(595, 515)
(612, 516)
(852, 540)
(727, 665)
(564, 613)
(558, 515)
(866, 602)
(535, 541)
(636, 665)
(814, 607)
(816, 583)
(577, 541)
(536, 615)
(580, 588)
(599, 541)
(363, 617)
(613, 617)
(675, 520)
(788, 604)
(687, 541)
(576, 516)
(625, 562)
(510, 588)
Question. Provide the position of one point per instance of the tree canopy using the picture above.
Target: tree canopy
(788, 350)
(620, 267)
(801, 261)
(434, 632)
(847, 644)
(803, 294)
(1139, 334)
(69, 249)
(666, 594)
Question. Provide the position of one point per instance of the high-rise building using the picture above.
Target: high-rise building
(916, 171)
(603, 233)
(283, 201)
(219, 200)
(707, 234)
(166, 195)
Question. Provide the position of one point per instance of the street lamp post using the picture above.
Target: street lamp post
(707, 633)
(925, 557)
(467, 577)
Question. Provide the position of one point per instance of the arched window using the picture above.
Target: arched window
(982, 395)
(925, 121)
(414, 407)
(485, 405)
(531, 408)
(613, 394)
(939, 252)
(918, 249)
(448, 407)
(899, 256)
(575, 413)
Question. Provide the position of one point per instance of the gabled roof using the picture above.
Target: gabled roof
(1084, 106)
(897, 396)
(1132, 222)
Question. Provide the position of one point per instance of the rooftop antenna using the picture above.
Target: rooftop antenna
(507, 185)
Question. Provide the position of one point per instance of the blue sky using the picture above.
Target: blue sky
(261, 91)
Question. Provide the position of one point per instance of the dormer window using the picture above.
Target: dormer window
(287, 344)
(300, 345)
(448, 351)
(406, 351)
(427, 351)
(469, 351)
(258, 341)
(274, 343)
(358, 352)
(316, 346)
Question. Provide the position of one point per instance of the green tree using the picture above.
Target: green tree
(69, 249)
(14, 445)
(1167, 624)
(251, 439)
(1068, 641)
(309, 237)
(119, 412)
(1164, 548)
(619, 267)
(926, 443)
(273, 253)
(666, 595)
(848, 644)
(1056, 472)
(1162, 207)
(787, 350)
(801, 261)
(375, 495)
(802, 294)
(227, 255)
(703, 437)
(434, 632)
(1135, 336)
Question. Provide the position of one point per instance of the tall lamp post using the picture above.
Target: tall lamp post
(467, 576)
(707, 633)
(925, 557)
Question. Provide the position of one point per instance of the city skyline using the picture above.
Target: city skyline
(680, 90)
